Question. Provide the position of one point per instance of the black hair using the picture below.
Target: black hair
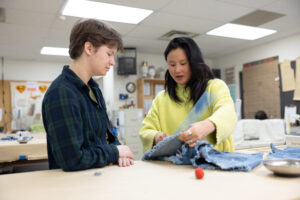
(261, 115)
(200, 72)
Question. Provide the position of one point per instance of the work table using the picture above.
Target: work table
(148, 180)
(35, 149)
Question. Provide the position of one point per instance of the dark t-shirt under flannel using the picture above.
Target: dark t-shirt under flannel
(79, 135)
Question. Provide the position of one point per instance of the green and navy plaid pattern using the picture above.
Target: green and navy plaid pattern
(79, 135)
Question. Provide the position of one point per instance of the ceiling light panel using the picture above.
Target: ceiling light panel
(55, 51)
(240, 32)
(105, 11)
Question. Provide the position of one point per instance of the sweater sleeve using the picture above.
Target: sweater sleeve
(224, 116)
(150, 126)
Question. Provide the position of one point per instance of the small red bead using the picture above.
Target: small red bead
(199, 173)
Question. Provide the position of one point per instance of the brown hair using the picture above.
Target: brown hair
(95, 32)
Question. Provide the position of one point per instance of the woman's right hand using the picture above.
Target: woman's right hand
(125, 156)
(160, 136)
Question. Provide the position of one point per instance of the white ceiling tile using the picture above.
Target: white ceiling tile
(28, 18)
(218, 41)
(148, 32)
(146, 46)
(31, 24)
(288, 7)
(145, 4)
(122, 28)
(13, 51)
(64, 23)
(207, 9)
(56, 38)
(42, 6)
(283, 24)
(16, 34)
(250, 3)
(209, 45)
(176, 22)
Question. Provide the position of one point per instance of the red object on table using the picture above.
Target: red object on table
(199, 173)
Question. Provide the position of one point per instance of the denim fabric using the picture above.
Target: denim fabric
(8, 138)
(287, 153)
(170, 145)
(203, 156)
(12, 138)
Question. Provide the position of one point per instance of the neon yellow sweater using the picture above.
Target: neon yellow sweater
(166, 116)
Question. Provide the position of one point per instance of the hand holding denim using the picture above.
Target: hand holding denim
(159, 137)
(197, 131)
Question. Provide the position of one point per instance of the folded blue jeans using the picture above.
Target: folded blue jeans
(201, 155)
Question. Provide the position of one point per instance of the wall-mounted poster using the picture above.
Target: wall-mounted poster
(26, 101)
(261, 88)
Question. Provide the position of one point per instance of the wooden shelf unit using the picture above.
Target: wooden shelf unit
(146, 88)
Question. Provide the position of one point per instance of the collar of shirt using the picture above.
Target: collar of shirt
(70, 75)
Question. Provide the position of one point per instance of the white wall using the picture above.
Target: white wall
(112, 84)
(156, 60)
(31, 70)
(287, 48)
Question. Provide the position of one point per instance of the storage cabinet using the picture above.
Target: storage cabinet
(147, 90)
(130, 123)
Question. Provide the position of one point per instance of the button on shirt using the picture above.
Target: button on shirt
(79, 135)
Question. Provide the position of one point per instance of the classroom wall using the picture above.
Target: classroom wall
(287, 48)
(120, 82)
(157, 60)
(31, 70)
(111, 84)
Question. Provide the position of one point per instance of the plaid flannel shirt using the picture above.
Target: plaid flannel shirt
(79, 135)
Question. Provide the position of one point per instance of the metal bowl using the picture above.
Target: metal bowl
(283, 167)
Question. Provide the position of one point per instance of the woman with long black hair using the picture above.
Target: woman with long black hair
(187, 79)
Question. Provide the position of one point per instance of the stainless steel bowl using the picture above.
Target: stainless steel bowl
(283, 167)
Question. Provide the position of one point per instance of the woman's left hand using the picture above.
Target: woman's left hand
(197, 131)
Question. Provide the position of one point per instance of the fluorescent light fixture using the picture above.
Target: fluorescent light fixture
(240, 31)
(55, 51)
(105, 11)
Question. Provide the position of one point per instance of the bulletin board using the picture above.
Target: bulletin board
(23, 100)
(286, 97)
(261, 88)
(6, 108)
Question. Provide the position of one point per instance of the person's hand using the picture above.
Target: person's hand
(159, 137)
(125, 162)
(197, 131)
(125, 156)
